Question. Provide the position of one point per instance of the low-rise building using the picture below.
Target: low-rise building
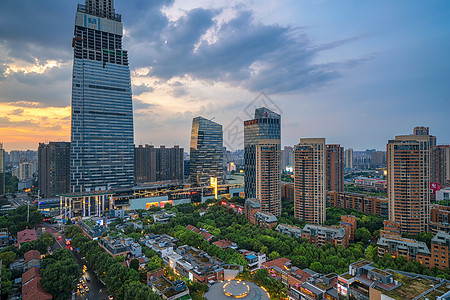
(321, 234)
(27, 235)
(224, 244)
(302, 284)
(257, 217)
(440, 245)
(265, 220)
(116, 245)
(162, 244)
(163, 217)
(93, 227)
(196, 265)
(32, 259)
(31, 281)
(439, 218)
(290, 230)
(410, 249)
(254, 260)
(168, 289)
(361, 202)
(136, 250)
(363, 281)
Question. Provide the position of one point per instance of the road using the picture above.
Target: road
(97, 289)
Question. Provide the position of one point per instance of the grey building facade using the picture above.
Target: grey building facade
(102, 149)
(158, 164)
(53, 168)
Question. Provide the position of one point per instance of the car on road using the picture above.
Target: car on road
(87, 278)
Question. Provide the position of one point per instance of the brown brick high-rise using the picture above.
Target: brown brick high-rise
(408, 166)
(335, 168)
(310, 180)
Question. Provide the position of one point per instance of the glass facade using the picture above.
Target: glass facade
(206, 151)
(102, 149)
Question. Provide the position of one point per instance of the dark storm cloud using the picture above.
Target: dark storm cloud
(41, 29)
(255, 56)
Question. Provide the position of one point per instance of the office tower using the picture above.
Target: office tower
(287, 157)
(158, 164)
(335, 168)
(2, 169)
(206, 151)
(262, 160)
(440, 165)
(408, 177)
(102, 148)
(53, 168)
(349, 158)
(310, 180)
(378, 158)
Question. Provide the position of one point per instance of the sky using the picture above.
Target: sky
(355, 72)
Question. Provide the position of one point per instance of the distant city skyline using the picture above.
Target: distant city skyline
(357, 86)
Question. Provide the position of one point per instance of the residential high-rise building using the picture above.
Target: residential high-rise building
(262, 160)
(349, 158)
(408, 177)
(310, 180)
(158, 164)
(102, 148)
(53, 168)
(335, 168)
(206, 151)
(422, 130)
(26, 170)
(378, 158)
(440, 165)
(2, 169)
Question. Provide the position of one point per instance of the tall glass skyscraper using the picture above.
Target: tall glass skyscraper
(102, 149)
(206, 151)
(262, 160)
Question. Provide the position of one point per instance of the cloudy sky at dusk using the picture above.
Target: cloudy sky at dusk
(355, 72)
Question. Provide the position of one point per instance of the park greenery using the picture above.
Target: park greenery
(286, 177)
(16, 220)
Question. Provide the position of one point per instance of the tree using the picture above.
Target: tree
(134, 264)
(274, 254)
(7, 257)
(6, 281)
(60, 273)
(316, 267)
(363, 234)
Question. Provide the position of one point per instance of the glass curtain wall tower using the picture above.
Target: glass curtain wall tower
(206, 151)
(102, 149)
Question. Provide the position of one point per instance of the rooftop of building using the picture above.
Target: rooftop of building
(281, 262)
(27, 235)
(266, 217)
(361, 263)
(32, 254)
(441, 238)
(386, 240)
(338, 232)
(33, 290)
(223, 243)
(252, 203)
(30, 274)
(289, 227)
(408, 288)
